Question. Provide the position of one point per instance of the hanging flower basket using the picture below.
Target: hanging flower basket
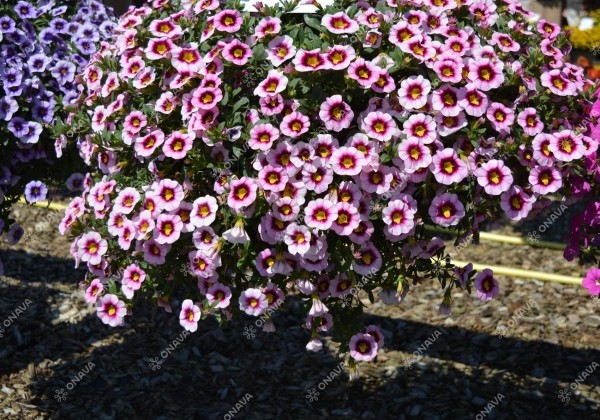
(245, 157)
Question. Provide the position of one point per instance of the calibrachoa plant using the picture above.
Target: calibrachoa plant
(43, 45)
(246, 157)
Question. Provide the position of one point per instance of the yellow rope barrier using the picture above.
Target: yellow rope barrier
(513, 240)
(45, 205)
(523, 274)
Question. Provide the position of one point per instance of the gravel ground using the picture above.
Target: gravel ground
(57, 360)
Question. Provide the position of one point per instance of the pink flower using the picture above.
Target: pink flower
(177, 145)
(280, 49)
(164, 28)
(320, 214)
(297, 238)
(91, 247)
(220, 294)
(516, 203)
(558, 83)
(204, 211)
(335, 113)
(169, 194)
(347, 161)
(294, 124)
(566, 146)
(339, 57)
(545, 180)
(253, 302)
(242, 193)
(168, 229)
(93, 291)
(262, 137)
(271, 178)
(364, 72)
(414, 154)
(186, 60)
(485, 74)
(189, 316)
(446, 99)
(592, 281)
(530, 122)
(339, 23)
(237, 52)
(155, 253)
(306, 61)
(446, 210)
(500, 116)
(228, 21)
(111, 310)
(145, 146)
(274, 83)
(379, 126)
(494, 176)
(398, 217)
(420, 127)
(159, 48)
(448, 168)
(486, 285)
(363, 347)
(413, 92)
(267, 26)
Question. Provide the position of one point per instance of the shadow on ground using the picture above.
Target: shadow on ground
(115, 373)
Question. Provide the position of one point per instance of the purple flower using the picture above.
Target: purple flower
(12, 77)
(63, 71)
(35, 191)
(34, 129)
(86, 46)
(42, 111)
(7, 25)
(59, 25)
(592, 281)
(25, 10)
(8, 106)
(59, 11)
(18, 126)
(486, 285)
(37, 63)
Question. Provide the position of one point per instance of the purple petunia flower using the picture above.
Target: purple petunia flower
(35, 191)
(7, 25)
(8, 106)
(63, 71)
(37, 63)
(18, 126)
(25, 10)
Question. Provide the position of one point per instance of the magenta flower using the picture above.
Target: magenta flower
(280, 49)
(420, 127)
(155, 253)
(274, 83)
(486, 74)
(93, 291)
(335, 113)
(530, 122)
(398, 217)
(253, 302)
(186, 60)
(516, 203)
(237, 52)
(558, 83)
(159, 48)
(566, 146)
(267, 26)
(189, 316)
(413, 92)
(364, 72)
(339, 23)
(242, 193)
(545, 180)
(220, 294)
(486, 285)
(379, 126)
(592, 281)
(339, 57)
(363, 347)
(168, 229)
(111, 310)
(446, 210)
(262, 137)
(494, 176)
(448, 168)
(228, 21)
(91, 247)
(177, 145)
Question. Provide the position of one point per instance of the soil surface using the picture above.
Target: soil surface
(533, 352)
